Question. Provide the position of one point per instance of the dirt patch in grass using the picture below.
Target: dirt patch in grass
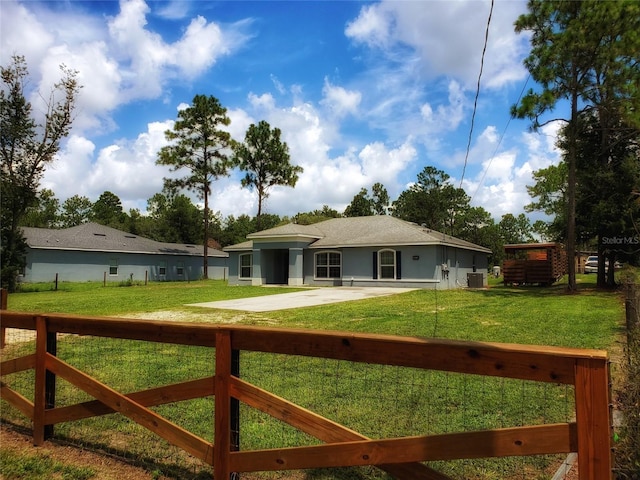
(106, 467)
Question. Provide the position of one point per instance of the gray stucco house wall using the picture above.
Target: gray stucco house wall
(93, 252)
(359, 251)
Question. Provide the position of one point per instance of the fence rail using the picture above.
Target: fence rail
(586, 370)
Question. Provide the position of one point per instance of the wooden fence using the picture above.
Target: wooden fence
(587, 370)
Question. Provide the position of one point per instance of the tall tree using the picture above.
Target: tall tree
(586, 53)
(316, 216)
(364, 205)
(361, 205)
(175, 218)
(44, 213)
(76, 210)
(107, 210)
(27, 146)
(265, 159)
(433, 201)
(380, 198)
(201, 149)
(550, 196)
(515, 229)
(235, 230)
(605, 204)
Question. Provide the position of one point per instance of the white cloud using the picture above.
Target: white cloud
(501, 185)
(240, 121)
(199, 48)
(381, 164)
(264, 101)
(339, 100)
(119, 60)
(174, 10)
(126, 169)
(16, 22)
(327, 179)
(97, 74)
(68, 173)
(149, 61)
(447, 37)
(446, 117)
(372, 26)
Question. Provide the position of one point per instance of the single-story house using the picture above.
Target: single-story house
(377, 250)
(93, 252)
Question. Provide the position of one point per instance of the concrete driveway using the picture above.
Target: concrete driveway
(305, 298)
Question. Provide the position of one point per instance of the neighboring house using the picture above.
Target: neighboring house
(359, 251)
(93, 252)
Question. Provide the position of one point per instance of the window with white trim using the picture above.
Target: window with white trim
(180, 268)
(246, 265)
(328, 264)
(162, 267)
(113, 266)
(387, 264)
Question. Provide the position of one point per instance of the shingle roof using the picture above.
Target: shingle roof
(377, 230)
(99, 238)
(290, 230)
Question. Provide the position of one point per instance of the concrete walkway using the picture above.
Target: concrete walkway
(306, 298)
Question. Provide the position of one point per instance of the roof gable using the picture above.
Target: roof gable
(290, 230)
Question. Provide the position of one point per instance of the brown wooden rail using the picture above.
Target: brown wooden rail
(586, 370)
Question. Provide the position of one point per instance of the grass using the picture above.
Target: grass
(358, 396)
(16, 466)
(92, 298)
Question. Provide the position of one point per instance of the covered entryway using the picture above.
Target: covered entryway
(276, 266)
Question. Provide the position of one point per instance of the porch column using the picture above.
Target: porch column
(296, 270)
(256, 278)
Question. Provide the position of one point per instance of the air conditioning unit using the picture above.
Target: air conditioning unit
(475, 280)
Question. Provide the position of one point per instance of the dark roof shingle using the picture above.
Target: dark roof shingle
(372, 231)
(99, 238)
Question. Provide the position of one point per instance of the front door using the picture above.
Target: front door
(279, 267)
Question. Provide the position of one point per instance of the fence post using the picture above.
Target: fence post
(235, 410)
(593, 419)
(45, 381)
(4, 295)
(50, 381)
(39, 397)
(222, 427)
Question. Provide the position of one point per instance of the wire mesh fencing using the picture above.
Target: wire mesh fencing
(375, 401)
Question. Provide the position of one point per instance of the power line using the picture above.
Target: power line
(493, 155)
(475, 103)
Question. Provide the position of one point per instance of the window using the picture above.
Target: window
(162, 268)
(180, 268)
(113, 266)
(328, 265)
(246, 265)
(387, 263)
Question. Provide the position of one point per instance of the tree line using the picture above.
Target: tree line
(173, 217)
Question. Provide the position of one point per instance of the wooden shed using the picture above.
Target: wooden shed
(534, 263)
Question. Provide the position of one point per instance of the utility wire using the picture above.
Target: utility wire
(484, 174)
(475, 103)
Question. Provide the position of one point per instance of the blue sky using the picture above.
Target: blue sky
(363, 92)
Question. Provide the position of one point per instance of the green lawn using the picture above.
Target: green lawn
(358, 396)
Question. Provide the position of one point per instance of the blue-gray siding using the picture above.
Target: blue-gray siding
(77, 266)
(435, 266)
